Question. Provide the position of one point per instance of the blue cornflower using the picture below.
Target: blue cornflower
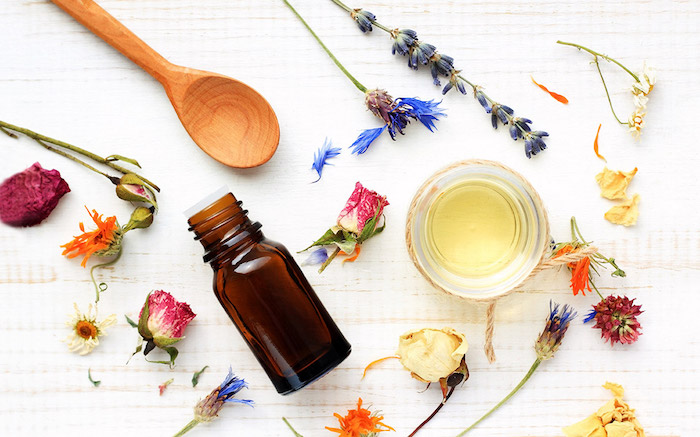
(557, 323)
(403, 40)
(397, 114)
(208, 408)
(322, 155)
(364, 19)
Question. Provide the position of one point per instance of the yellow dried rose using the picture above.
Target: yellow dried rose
(432, 354)
(625, 213)
(613, 183)
(614, 419)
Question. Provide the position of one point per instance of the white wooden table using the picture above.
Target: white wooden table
(60, 80)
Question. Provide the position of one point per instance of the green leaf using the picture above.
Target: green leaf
(163, 342)
(138, 349)
(143, 321)
(195, 377)
(131, 322)
(173, 354)
(95, 383)
(123, 158)
(347, 246)
(328, 238)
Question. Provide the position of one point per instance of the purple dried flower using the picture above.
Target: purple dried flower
(28, 197)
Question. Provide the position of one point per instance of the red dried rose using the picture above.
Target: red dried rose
(28, 197)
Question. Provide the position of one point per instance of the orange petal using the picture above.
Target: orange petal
(370, 365)
(595, 145)
(555, 96)
(354, 257)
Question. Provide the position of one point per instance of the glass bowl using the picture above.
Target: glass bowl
(476, 259)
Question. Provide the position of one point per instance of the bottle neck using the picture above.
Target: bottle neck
(224, 229)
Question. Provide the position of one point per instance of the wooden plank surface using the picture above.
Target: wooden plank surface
(58, 79)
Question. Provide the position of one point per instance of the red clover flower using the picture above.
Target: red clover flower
(616, 317)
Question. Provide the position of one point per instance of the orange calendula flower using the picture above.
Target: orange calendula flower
(359, 422)
(580, 270)
(103, 241)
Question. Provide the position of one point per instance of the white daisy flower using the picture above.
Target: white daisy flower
(87, 330)
(636, 122)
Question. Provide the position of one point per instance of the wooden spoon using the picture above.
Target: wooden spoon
(227, 119)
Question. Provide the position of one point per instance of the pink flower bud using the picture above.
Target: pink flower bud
(28, 197)
(167, 319)
(361, 207)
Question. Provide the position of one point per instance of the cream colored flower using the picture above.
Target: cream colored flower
(625, 213)
(431, 354)
(87, 330)
(613, 183)
(614, 419)
(647, 79)
(636, 122)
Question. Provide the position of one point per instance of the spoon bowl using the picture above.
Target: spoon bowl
(226, 118)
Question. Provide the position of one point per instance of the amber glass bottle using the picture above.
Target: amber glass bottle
(267, 297)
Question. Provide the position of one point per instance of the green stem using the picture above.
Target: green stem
(510, 395)
(328, 261)
(72, 158)
(296, 434)
(596, 289)
(607, 94)
(188, 427)
(39, 137)
(98, 287)
(594, 53)
(328, 52)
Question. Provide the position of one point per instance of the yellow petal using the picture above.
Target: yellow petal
(613, 183)
(588, 427)
(626, 213)
(616, 389)
(621, 429)
(431, 354)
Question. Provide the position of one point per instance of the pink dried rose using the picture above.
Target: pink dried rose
(358, 221)
(28, 197)
(362, 206)
(162, 323)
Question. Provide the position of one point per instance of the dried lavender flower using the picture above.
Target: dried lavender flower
(406, 43)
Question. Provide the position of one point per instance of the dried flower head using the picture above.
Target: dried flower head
(582, 269)
(359, 221)
(360, 422)
(28, 197)
(614, 419)
(208, 408)
(636, 122)
(86, 330)
(162, 323)
(616, 317)
(551, 337)
(363, 18)
(396, 114)
(431, 354)
(103, 241)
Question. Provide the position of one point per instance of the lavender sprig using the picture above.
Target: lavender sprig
(406, 43)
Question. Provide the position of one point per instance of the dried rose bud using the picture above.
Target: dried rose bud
(141, 218)
(432, 354)
(134, 189)
(165, 320)
(361, 207)
(28, 197)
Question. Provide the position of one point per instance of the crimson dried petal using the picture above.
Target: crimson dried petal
(28, 197)
(362, 206)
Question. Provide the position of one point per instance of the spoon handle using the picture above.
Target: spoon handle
(101, 23)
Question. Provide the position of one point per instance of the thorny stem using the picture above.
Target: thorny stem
(39, 137)
(534, 367)
(594, 53)
(296, 434)
(98, 288)
(330, 258)
(328, 52)
(439, 407)
(188, 427)
(607, 94)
